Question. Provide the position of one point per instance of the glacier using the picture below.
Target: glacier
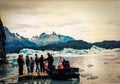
(68, 51)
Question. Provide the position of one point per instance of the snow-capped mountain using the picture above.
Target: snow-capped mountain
(14, 41)
(44, 39)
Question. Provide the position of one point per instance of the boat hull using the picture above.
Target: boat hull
(63, 74)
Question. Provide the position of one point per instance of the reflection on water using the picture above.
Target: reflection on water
(44, 81)
(50, 81)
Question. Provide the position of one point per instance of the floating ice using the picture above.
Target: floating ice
(105, 62)
(118, 76)
(90, 65)
(117, 62)
(82, 70)
(66, 51)
(84, 74)
(92, 77)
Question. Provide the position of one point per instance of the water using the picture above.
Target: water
(49, 81)
(101, 68)
(12, 71)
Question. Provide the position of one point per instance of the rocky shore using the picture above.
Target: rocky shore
(3, 60)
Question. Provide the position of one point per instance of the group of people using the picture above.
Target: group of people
(30, 63)
(40, 63)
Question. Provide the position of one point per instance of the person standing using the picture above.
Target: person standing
(50, 61)
(28, 63)
(31, 64)
(60, 66)
(37, 62)
(42, 68)
(20, 62)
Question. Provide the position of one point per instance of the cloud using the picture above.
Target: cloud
(70, 23)
(23, 6)
(111, 22)
(15, 4)
(26, 25)
(91, 19)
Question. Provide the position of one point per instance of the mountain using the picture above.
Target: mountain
(15, 42)
(45, 39)
(75, 44)
(108, 44)
(80, 44)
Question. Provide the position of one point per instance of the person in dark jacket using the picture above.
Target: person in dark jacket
(20, 61)
(65, 63)
(28, 63)
(37, 62)
(31, 64)
(50, 61)
(41, 60)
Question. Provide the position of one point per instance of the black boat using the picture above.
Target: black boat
(63, 74)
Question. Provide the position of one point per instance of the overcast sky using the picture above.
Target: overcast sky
(89, 20)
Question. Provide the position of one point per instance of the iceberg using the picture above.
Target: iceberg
(66, 51)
